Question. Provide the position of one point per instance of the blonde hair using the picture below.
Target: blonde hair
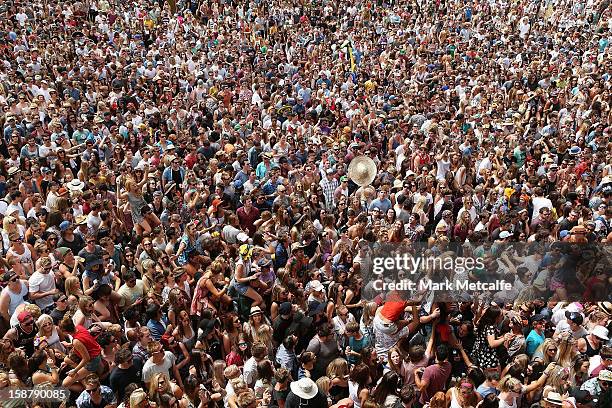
(155, 381)
(34, 310)
(72, 286)
(338, 368)
(231, 372)
(369, 311)
(239, 385)
(8, 220)
(324, 384)
(566, 353)
(546, 359)
(508, 383)
(44, 318)
(557, 377)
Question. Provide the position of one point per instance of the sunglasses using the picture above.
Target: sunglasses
(93, 391)
(15, 279)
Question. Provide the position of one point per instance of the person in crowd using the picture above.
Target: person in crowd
(192, 187)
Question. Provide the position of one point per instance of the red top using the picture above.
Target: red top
(393, 310)
(90, 343)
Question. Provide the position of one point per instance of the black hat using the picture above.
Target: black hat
(537, 318)
(574, 317)
(314, 308)
(284, 308)
(8, 275)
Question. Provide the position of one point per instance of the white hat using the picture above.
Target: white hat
(316, 285)
(605, 375)
(75, 185)
(305, 388)
(242, 237)
(505, 234)
(554, 398)
(137, 397)
(600, 332)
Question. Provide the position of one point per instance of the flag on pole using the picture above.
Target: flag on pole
(351, 56)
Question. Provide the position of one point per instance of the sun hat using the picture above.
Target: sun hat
(575, 150)
(137, 397)
(75, 185)
(605, 375)
(600, 332)
(304, 388)
(554, 398)
(605, 307)
(255, 310)
(317, 286)
(81, 220)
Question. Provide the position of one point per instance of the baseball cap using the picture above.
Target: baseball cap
(574, 317)
(8, 276)
(23, 316)
(284, 308)
(64, 225)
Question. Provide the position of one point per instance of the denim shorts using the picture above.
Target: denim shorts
(94, 364)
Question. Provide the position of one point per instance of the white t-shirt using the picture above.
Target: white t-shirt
(150, 368)
(42, 282)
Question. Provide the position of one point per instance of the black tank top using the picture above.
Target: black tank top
(590, 351)
(26, 340)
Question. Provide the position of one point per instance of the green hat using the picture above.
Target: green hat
(63, 251)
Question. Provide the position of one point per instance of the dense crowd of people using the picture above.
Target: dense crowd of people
(180, 228)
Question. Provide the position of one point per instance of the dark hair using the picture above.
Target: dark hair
(407, 393)
(265, 370)
(489, 317)
(104, 339)
(36, 360)
(152, 311)
(441, 352)
(123, 355)
(103, 290)
(360, 374)
(130, 314)
(477, 376)
(289, 342)
(490, 401)
(259, 350)
(324, 330)
(389, 384)
(67, 325)
(128, 276)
